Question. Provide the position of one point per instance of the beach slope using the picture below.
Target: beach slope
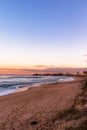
(38, 107)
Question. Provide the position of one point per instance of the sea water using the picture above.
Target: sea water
(10, 83)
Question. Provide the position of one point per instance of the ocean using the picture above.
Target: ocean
(10, 83)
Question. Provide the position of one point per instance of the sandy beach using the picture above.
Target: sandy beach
(38, 108)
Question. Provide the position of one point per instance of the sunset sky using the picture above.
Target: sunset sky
(40, 34)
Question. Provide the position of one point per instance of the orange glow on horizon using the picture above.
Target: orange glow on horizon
(14, 72)
(39, 69)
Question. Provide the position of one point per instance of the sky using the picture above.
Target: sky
(40, 34)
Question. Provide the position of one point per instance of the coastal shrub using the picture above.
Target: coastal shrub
(83, 101)
(68, 114)
(82, 126)
(85, 86)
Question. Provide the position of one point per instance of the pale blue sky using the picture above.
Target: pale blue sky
(43, 32)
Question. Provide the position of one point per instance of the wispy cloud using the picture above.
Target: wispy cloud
(55, 70)
(43, 66)
(40, 66)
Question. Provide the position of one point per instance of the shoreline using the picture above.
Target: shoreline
(20, 90)
(38, 107)
(25, 88)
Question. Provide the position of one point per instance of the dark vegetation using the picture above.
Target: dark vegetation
(74, 114)
(82, 126)
(68, 114)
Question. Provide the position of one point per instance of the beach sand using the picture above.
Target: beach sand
(38, 107)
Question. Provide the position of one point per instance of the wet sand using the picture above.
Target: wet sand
(37, 107)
